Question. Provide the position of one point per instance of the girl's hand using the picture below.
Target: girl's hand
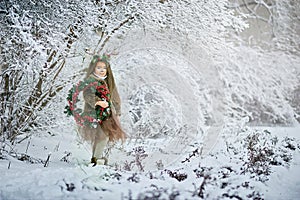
(103, 104)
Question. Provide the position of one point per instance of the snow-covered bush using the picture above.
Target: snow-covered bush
(258, 151)
(36, 38)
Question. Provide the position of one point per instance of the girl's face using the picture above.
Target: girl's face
(100, 69)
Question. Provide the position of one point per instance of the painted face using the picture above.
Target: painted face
(100, 69)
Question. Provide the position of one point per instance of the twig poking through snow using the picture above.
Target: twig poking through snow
(194, 154)
(66, 157)
(27, 147)
(9, 165)
(57, 147)
(47, 161)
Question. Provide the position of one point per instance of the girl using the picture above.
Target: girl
(110, 129)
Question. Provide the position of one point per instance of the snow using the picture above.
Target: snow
(191, 160)
(76, 179)
(202, 154)
(191, 102)
(285, 182)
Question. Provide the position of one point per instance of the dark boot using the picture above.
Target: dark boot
(94, 161)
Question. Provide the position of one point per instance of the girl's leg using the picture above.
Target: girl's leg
(98, 146)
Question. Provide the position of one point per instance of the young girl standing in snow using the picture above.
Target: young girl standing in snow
(109, 130)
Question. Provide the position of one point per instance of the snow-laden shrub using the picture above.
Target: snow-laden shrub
(36, 38)
(258, 151)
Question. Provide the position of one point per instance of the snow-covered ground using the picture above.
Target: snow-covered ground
(188, 138)
(216, 174)
(187, 93)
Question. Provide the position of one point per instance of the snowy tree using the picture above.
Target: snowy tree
(263, 86)
(36, 38)
(272, 23)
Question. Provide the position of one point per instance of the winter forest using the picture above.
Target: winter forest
(210, 93)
